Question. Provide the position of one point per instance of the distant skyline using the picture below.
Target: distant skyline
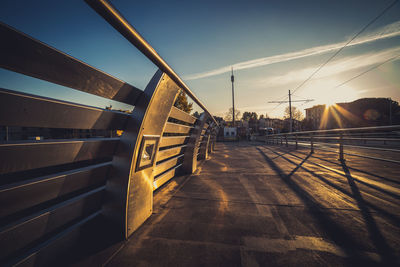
(273, 46)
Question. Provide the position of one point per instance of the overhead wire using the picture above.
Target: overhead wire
(346, 44)
(366, 71)
(362, 73)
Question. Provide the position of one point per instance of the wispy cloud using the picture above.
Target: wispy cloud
(388, 31)
(334, 68)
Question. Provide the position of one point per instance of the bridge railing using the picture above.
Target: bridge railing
(52, 189)
(380, 138)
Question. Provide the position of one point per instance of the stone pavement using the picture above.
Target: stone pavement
(259, 205)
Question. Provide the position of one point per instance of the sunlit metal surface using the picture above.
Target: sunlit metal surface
(109, 13)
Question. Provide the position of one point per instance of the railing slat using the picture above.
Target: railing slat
(168, 153)
(173, 140)
(20, 109)
(23, 232)
(182, 115)
(165, 177)
(21, 53)
(160, 168)
(32, 155)
(19, 196)
(177, 128)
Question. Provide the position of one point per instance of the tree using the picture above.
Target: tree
(182, 102)
(196, 114)
(261, 116)
(248, 116)
(296, 114)
(228, 115)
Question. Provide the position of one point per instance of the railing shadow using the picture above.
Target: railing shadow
(333, 230)
(376, 236)
(299, 165)
(358, 180)
(390, 216)
(351, 168)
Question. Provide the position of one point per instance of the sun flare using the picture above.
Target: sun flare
(322, 92)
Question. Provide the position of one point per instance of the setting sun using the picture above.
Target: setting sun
(323, 92)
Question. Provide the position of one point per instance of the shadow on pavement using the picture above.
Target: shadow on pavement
(336, 162)
(334, 230)
(375, 234)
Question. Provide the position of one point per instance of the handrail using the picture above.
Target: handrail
(343, 130)
(112, 16)
(338, 137)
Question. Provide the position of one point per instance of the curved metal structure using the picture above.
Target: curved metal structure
(83, 178)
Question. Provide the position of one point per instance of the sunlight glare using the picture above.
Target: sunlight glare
(322, 92)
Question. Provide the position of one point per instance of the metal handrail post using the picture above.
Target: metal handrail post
(286, 140)
(296, 141)
(312, 143)
(341, 157)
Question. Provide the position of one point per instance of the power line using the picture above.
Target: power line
(283, 98)
(354, 37)
(366, 71)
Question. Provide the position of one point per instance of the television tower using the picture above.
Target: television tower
(233, 99)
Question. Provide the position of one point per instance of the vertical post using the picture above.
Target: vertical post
(286, 140)
(7, 133)
(281, 140)
(210, 147)
(341, 157)
(290, 113)
(190, 157)
(204, 148)
(312, 143)
(390, 111)
(213, 143)
(130, 184)
(233, 100)
(296, 142)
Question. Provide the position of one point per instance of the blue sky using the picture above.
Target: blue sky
(273, 45)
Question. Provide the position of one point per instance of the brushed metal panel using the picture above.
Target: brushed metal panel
(31, 155)
(177, 128)
(23, 232)
(190, 158)
(203, 151)
(131, 191)
(20, 109)
(181, 115)
(160, 168)
(48, 252)
(165, 177)
(170, 152)
(22, 195)
(173, 140)
(24, 54)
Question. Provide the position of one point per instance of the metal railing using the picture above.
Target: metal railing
(81, 180)
(378, 139)
(112, 16)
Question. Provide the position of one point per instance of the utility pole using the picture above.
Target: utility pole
(290, 107)
(390, 111)
(233, 100)
(290, 113)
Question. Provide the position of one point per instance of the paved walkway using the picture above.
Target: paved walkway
(257, 205)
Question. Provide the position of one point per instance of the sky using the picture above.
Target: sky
(273, 47)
